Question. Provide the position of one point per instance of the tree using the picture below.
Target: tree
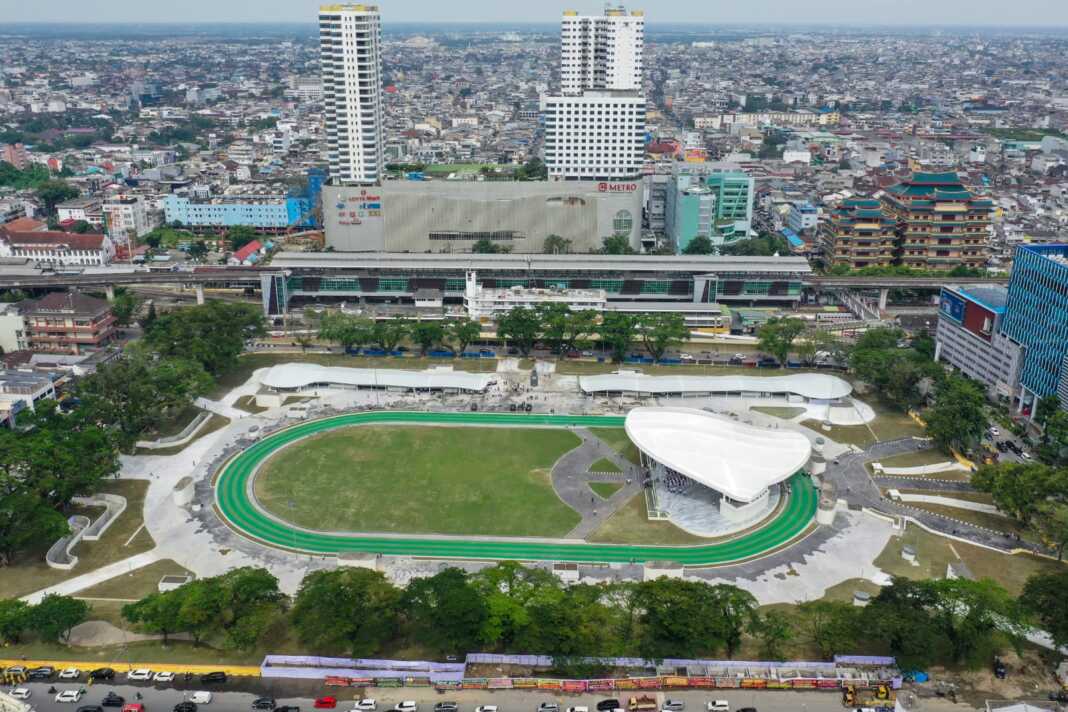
(240, 235)
(304, 341)
(1046, 408)
(773, 630)
(700, 245)
(736, 609)
(564, 329)
(347, 331)
(1051, 522)
(485, 246)
(53, 618)
(1018, 488)
(136, 393)
(197, 251)
(150, 317)
(677, 618)
(200, 606)
(427, 334)
(830, 625)
(1054, 446)
(54, 192)
(388, 333)
(213, 334)
(816, 341)
(508, 589)
(352, 609)
(556, 245)
(461, 332)
(249, 603)
(1043, 597)
(616, 245)
(618, 331)
(958, 418)
(661, 331)
(445, 611)
(123, 308)
(156, 613)
(14, 620)
(26, 520)
(521, 327)
(777, 336)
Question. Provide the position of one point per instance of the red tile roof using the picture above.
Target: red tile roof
(248, 250)
(49, 239)
(25, 225)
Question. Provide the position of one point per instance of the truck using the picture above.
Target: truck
(644, 703)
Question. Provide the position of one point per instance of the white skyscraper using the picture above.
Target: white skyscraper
(350, 41)
(601, 51)
(595, 130)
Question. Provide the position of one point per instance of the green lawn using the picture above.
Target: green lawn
(604, 465)
(630, 525)
(889, 424)
(981, 519)
(934, 553)
(215, 422)
(980, 497)
(778, 412)
(30, 573)
(248, 404)
(617, 439)
(136, 584)
(422, 480)
(175, 424)
(604, 490)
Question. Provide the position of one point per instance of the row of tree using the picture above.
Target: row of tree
(511, 608)
(1034, 494)
(351, 332)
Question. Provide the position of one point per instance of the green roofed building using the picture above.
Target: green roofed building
(940, 224)
(859, 234)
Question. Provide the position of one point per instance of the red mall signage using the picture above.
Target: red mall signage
(617, 187)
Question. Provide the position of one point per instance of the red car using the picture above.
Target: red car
(326, 703)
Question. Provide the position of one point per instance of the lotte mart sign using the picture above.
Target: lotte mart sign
(617, 187)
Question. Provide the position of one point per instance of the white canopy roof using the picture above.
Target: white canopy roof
(814, 386)
(739, 460)
(300, 375)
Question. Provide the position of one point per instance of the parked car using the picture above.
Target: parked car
(287, 708)
(754, 709)
(69, 696)
(200, 697)
(211, 677)
(45, 672)
(604, 705)
(368, 704)
(113, 700)
(20, 693)
(406, 706)
(104, 673)
(163, 676)
(674, 705)
(446, 707)
(185, 706)
(325, 703)
(133, 707)
(90, 708)
(486, 708)
(548, 707)
(263, 703)
(718, 706)
(580, 708)
(139, 675)
(70, 674)
(16, 670)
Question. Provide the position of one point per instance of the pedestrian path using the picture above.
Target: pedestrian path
(92, 578)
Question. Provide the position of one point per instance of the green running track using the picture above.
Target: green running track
(233, 501)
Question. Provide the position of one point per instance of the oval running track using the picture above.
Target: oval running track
(236, 507)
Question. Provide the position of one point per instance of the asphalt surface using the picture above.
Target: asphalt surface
(237, 507)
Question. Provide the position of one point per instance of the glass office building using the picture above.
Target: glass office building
(1036, 316)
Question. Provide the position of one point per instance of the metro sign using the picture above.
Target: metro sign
(617, 187)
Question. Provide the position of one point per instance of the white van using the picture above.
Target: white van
(719, 706)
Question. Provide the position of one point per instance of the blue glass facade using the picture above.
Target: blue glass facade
(1036, 315)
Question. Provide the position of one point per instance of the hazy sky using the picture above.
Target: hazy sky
(991, 12)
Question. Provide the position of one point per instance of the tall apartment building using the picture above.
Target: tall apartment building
(970, 337)
(1036, 317)
(601, 51)
(705, 201)
(859, 234)
(126, 217)
(940, 223)
(350, 40)
(595, 128)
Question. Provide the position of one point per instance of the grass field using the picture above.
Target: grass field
(248, 404)
(30, 573)
(215, 422)
(617, 439)
(630, 525)
(934, 553)
(423, 480)
(604, 490)
(778, 412)
(981, 519)
(136, 584)
(889, 424)
(604, 465)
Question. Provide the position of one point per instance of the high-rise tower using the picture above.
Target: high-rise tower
(601, 51)
(350, 42)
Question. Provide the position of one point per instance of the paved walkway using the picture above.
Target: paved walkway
(571, 477)
(922, 483)
(92, 578)
(219, 408)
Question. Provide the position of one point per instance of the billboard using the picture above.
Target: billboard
(952, 306)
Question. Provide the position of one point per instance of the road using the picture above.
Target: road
(238, 508)
(302, 694)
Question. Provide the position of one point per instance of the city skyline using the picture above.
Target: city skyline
(880, 12)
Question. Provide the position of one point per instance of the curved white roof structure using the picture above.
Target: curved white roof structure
(812, 386)
(289, 376)
(739, 460)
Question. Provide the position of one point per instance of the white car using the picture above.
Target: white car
(69, 696)
(994, 432)
(201, 697)
(163, 676)
(406, 706)
(20, 693)
(719, 706)
(578, 709)
(366, 705)
(70, 674)
(140, 674)
(486, 708)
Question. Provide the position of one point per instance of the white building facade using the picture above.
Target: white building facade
(350, 40)
(482, 303)
(601, 51)
(126, 216)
